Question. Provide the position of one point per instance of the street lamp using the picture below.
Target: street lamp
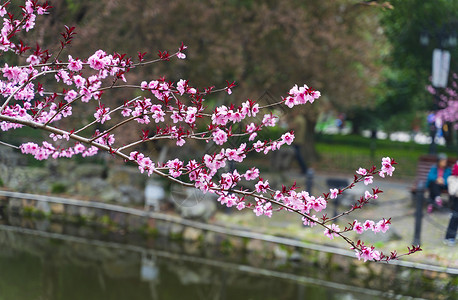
(447, 38)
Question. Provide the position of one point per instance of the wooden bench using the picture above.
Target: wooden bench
(425, 162)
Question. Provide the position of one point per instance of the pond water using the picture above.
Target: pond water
(67, 261)
(43, 265)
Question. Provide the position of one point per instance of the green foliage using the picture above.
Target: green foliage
(58, 188)
(409, 64)
(31, 211)
(341, 153)
(105, 220)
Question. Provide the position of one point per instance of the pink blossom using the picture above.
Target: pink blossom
(358, 227)
(180, 141)
(307, 222)
(368, 180)
(79, 81)
(269, 120)
(181, 55)
(191, 115)
(252, 136)
(387, 168)
(158, 113)
(268, 209)
(79, 148)
(181, 86)
(175, 167)
(259, 210)
(220, 116)
(262, 186)
(382, 225)
(251, 174)
(333, 193)
(368, 195)
(317, 204)
(2, 11)
(102, 114)
(28, 7)
(176, 117)
(301, 95)
(367, 253)
(369, 225)
(74, 65)
(33, 60)
(361, 171)
(331, 231)
(30, 22)
(288, 138)
(241, 205)
(219, 136)
(97, 61)
(70, 96)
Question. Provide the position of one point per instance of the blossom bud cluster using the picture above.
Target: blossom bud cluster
(47, 91)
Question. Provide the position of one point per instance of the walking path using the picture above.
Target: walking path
(395, 202)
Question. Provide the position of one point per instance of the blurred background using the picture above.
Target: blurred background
(372, 61)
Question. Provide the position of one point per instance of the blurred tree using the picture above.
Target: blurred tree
(263, 45)
(408, 67)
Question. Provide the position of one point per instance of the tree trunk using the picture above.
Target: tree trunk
(311, 155)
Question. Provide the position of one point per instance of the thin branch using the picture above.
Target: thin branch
(21, 87)
(9, 145)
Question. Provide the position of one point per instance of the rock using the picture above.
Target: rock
(280, 252)
(130, 194)
(72, 210)
(56, 227)
(111, 195)
(15, 205)
(162, 227)
(213, 238)
(254, 246)
(176, 230)
(83, 171)
(57, 208)
(87, 212)
(29, 180)
(192, 234)
(123, 175)
(192, 203)
(91, 187)
(43, 206)
(42, 225)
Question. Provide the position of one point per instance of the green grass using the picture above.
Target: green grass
(346, 153)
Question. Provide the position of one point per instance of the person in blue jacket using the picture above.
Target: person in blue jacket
(437, 181)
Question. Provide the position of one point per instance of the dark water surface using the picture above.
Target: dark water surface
(71, 262)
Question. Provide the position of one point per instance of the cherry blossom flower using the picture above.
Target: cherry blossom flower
(368, 180)
(74, 65)
(333, 193)
(387, 167)
(358, 227)
(331, 231)
(219, 136)
(361, 171)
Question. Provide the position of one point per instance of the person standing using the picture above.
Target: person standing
(450, 234)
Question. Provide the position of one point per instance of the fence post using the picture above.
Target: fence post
(419, 194)
(309, 180)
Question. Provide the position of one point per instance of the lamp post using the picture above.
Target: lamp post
(446, 37)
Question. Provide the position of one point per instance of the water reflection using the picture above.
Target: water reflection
(43, 265)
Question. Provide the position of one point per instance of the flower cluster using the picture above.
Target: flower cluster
(301, 95)
(49, 88)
